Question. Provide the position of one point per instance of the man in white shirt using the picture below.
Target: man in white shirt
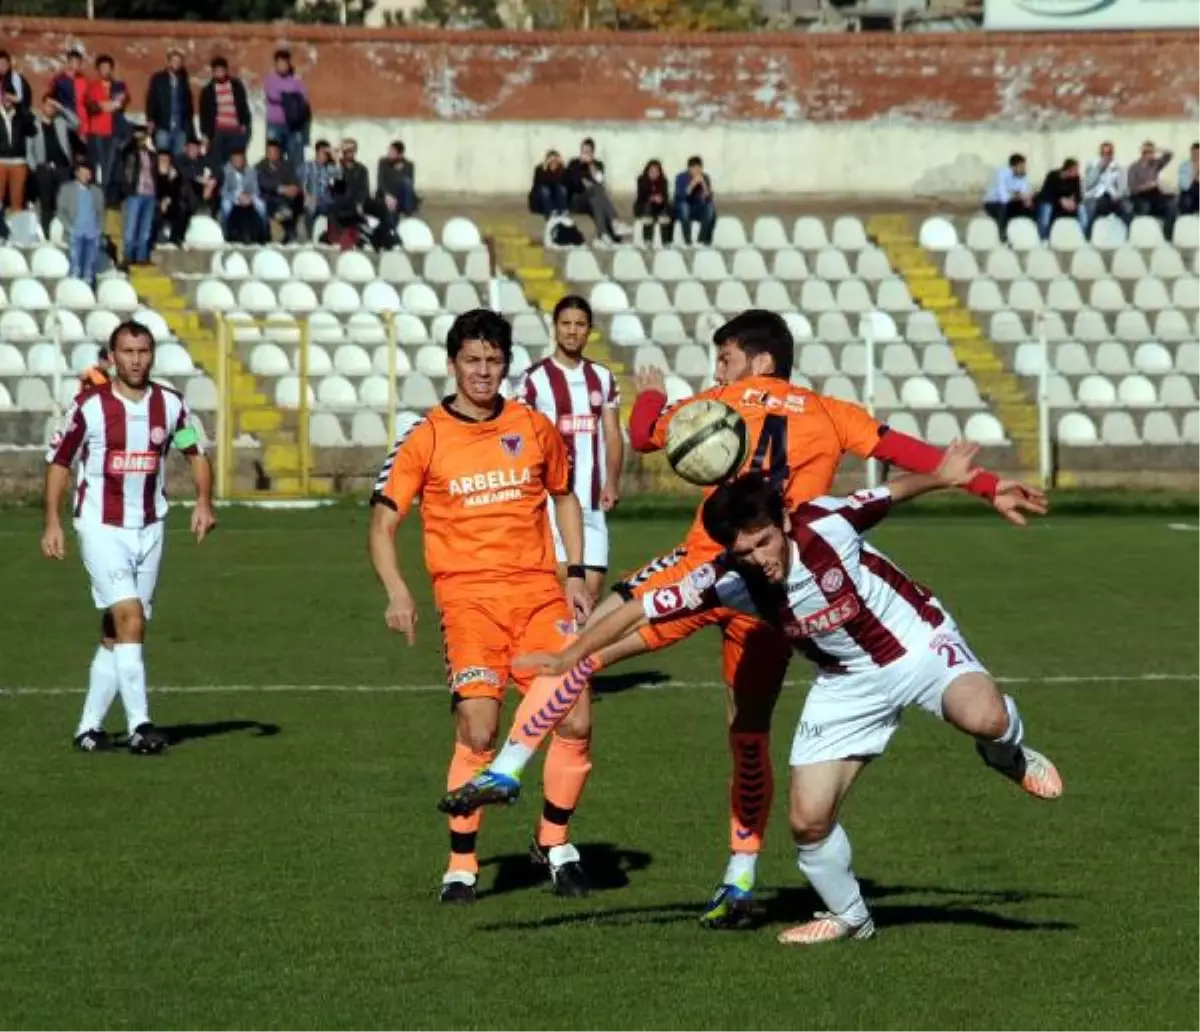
(1105, 190)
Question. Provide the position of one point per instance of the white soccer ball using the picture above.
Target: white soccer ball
(707, 442)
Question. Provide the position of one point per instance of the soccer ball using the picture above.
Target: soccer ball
(706, 442)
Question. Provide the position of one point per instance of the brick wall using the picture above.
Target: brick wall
(966, 78)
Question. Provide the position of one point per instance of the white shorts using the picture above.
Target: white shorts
(595, 538)
(121, 563)
(849, 715)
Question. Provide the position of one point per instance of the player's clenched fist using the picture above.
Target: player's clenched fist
(54, 544)
(401, 616)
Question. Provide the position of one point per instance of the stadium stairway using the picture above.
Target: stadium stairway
(973, 350)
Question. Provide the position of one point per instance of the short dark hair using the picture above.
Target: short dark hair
(695, 161)
(1196, 144)
(74, 52)
(480, 324)
(573, 303)
(104, 59)
(1069, 164)
(588, 142)
(283, 54)
(218, 62)
(1016, 159)
(4, 56)
(321, 143)
(274, 142)
(399, 145)
(759, 332)
(747, 503)
(236, 152)
(131, 328)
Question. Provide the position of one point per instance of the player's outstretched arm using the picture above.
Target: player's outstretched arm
(619, 623)
(401, 613)
(54, 544)
(203, 519)
(957, 469)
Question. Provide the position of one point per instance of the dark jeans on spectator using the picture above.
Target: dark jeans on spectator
(1189, 200)
(1157, 204)
(224, 144)
(1003, 214)
(46, 181)
(168, 142)
(703, 213)
(1102, 207)
(103, 152)
(292, 143)
(594, 201)
(139, 216)
(656, 213)
(173, 222)
(287, 211)
(549, 200)
(1048, 214)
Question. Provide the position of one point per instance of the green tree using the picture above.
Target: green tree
(474, 14)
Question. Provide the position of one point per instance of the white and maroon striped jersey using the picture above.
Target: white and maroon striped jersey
(844, 604)
(574, 401)
(121, 447)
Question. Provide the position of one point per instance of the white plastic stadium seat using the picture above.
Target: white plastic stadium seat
(800, 326)
(460, 234)
(853, 298)
(984, 428)
(1063, 296)
(789, 265)
(373, 391)
(395, 267)
(831, 264)
(1187, 233)
(608, 298)
(1159, 428)
(669, 267)
(1088, 264)
(310, 266)
(1135, 391)
(172, 359)
(1171, 327)
(816, 360)
(769, 233)
(1132, 327)
(74, 294)
(582, 268)
(18, 327)
(816, 296)
(461, 297)
(379, 296)
(231, 265)
(1065, 235)
(731, 297)
(325, 430)
(834, 328)
(982, 234)
(297, 297)
(1185, 293)
(46, 359)
(942, 429)
(99, 325)
(1111, 359)
(256, 297)
(340, 297)
(49, 263)
(30, 296)
(1152, 359)
(899, 360)
(983, 295)
(365, 328)
(1109, 233)
(214, 296)
(1187, 359)
(336, 392)
(627, 329)
(201, 394)
(848, 233)
(808, 233)
(1042, 266)
(1075, 429)
(938, 234)
(1106, 295)
(367, 430)
(708, 266)
(269, 360)
(12, 360)
(415, 235)
(33, 395)
(12, 263)
(287, 393)
(1071, 359)
(919, 393)
(204, 233)
(872, 265)
(729, 234)
(1177, 391)
(1128, 264)
(1097, 392)
(666, 328)
(1150, 295)
(773, 296)
(379, 361)
(431, 360)
(691, 298)
(1003, 265)
(961, 393)
(692, 362)
(1118, 428)
(270, 266)
(1145, 232)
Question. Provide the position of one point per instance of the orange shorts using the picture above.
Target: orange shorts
(482, 637)
(754, 656)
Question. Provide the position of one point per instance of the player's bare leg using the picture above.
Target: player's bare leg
(129, 625)
(823, 853)
(568, 763)
(975, 705)
(475, 725)
(90, 735)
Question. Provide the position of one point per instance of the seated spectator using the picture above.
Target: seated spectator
(50, 153)
(243, 214)
(317, 179)
(653, 204)
(1105, 191)
(1144, 191)
(1189, 195)
(694, 201)
(548, 194)
(16, 126)
(200, 179)
(1061, 196)
(171, 218)
(346, 224)
(139, 192)
(280, 190)
(395, 184)
(80, 209)
(1009, 196)
(355, 174)
(588, 194)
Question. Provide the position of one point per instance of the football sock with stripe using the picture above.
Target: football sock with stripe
(751, 791)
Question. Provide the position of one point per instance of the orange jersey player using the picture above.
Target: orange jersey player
(797, 439)
(484, 468)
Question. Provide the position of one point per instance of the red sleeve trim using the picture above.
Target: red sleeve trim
(647, 407)
(918, 457)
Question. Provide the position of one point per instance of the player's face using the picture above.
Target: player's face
(133, 357)
(478, 370)
(765, 548)
(571, 330)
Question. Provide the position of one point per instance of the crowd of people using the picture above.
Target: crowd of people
(76, 154)
(1104, 187)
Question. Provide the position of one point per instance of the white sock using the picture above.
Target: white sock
(826, 865)
(1014, 734)
(741, 870)
(511, 759)
(131, 675)
(102, 689)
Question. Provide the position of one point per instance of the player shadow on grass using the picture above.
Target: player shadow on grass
(177, 733)
(607, 868)
(614, 684)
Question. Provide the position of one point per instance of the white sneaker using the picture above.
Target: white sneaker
(826, 927)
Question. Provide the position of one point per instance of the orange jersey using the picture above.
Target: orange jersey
(483, 488)
(797, 438)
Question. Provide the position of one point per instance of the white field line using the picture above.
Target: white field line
(1052, 680)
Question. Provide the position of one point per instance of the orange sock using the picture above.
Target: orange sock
(568, 761)
(463, 830)
(750, 792)
(547, 702)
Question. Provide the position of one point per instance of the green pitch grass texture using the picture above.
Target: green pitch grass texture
(279, 868)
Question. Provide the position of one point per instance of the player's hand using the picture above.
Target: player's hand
(1014, 499)
(609, 498)
(578, 599)
(401, 616)
(54, 543)
(551, 664)
(203, 520)
(650, 378)
(958, 464)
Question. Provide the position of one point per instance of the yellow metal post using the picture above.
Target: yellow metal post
(224, 434)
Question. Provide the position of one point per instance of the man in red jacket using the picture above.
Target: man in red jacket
(105, 100)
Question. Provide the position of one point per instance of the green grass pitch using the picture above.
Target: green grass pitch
(278, 869)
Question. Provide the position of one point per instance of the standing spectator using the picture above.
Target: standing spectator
(355, 175)
(50, 153)
(1061, 196)
(548, 194)
(81, 211)
(200, 180)
(69, 88)
(106, 99)
(170, 217)
(1105, 190)
(1144, 191)
(589, 195)
(288, 112)
(15, 129)
(653, 203)
(1189, 193)
(243, 214)
(139, 167)
(224, 114)
(1010, 195)
(395, 187)
(317, 179)
(12, 85)
(694, 202)
(283, 200)
(169, 109)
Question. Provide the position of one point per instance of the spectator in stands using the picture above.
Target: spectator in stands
(694, 201)
(1061, 196)
(589, 194)
(16, 127)
(69, 88)
(81, 212)
(288, 112)
(1189, 189)
(653, 203)
(50, 153)
(243, 214)
(13, 85)
(395, 187)
(355, 175)
(106, 99)
(548, 196)
(1105, 191)
(1144, 191)
(171, 217)
(280, 190)
(200, 179)
(345, 226)
(138, 169)
(317, 178)
(1010, 195)
(224, 114)
(169, 109)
